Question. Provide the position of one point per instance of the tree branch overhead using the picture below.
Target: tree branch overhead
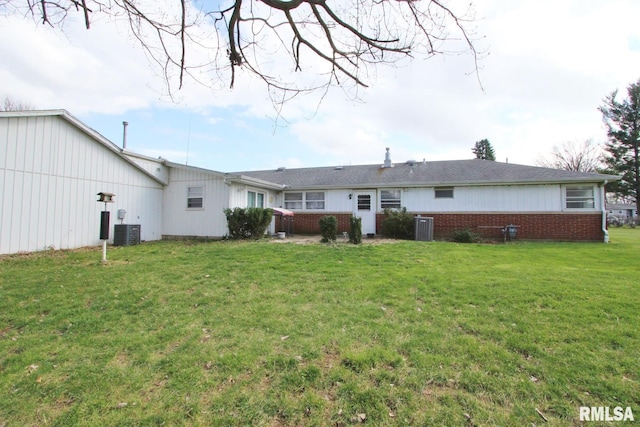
(276, 40)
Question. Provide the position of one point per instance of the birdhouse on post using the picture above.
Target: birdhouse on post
(104, 221)
(106, 197)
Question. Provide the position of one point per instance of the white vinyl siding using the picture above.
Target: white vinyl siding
(208, 221)
(390, 199)
(50, 174)
(494, 198)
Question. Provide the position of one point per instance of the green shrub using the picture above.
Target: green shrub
(355, 230)
(397, 224)
(249, 223)
(328, 228)
(465, 236)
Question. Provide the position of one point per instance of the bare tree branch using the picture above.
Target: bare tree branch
(574, 156)
(344, 39)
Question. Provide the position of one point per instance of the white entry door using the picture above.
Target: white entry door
(365, 208)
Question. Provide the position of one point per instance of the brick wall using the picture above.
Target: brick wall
(531, 226)
(309, 223)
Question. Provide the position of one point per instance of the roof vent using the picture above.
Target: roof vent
(411, 162)
(387, 160)
(280, 169)
(338, 168)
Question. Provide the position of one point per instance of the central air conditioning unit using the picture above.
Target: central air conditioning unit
(423, 227)
(126, 234)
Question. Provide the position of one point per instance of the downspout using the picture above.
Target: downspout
(604, 212)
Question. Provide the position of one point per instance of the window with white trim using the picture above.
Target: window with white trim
(293, 200)
(195, 197)
(444, 192)
(364, 202)
(311, 200)
(390, 199)
(255, 199)
(314, 200)
(579, 197)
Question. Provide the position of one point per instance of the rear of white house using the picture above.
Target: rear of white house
(52, 166)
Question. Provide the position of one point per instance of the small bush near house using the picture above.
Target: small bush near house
(397, 224)
(355, 230)
(328, 228)
(465, 236)
(249, 223)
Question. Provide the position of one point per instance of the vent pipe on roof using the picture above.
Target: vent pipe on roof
(387, 159)
(124, 135)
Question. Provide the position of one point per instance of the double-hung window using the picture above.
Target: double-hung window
(293, 200)
(390, 199)
(314, 200)
(579, 197)
(195, 197)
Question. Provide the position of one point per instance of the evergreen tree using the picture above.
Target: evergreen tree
(484, 150)
(622, 119)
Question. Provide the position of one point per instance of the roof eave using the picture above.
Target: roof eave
(413, 184)
(247, 180)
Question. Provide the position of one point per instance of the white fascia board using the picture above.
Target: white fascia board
(247, 180)
(414, 184)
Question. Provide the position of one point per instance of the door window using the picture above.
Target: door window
(364, 202)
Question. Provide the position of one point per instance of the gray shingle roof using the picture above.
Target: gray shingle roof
(438, 173)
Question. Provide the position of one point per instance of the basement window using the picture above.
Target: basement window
(195, 197)
(444, 193)
(579, 197)
(390, 199)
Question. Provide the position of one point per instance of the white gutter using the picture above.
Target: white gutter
(604, 212)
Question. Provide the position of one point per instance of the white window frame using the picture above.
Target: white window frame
(391, 202)
(195, 192)
(363, 202)
(316, 202)
(442, 190)
(588, 201)
(258, 200)
(294, 203)
(302, 201)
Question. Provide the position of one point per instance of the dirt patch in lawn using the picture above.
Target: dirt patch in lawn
(305, 239)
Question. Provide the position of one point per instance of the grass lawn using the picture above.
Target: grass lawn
(258, 333)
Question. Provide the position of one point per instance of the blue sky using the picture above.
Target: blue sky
(549, 65)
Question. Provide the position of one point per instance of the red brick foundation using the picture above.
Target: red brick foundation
(531, 226)
(309, 223)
